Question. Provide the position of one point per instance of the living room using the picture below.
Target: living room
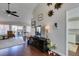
(43, 23)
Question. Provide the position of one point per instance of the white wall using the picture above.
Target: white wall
(58, 36)
(73, 18)
(73, 13)
(73, 24)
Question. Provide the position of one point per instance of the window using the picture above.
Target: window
(17, 30)
(14, 28)
(3, 29)
(28, 29)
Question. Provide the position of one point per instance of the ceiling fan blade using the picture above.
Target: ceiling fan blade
(14, 15)
(13, 11)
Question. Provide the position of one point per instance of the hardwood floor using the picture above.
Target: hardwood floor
(22, 50)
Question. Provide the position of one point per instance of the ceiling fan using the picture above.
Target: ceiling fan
(11, 12)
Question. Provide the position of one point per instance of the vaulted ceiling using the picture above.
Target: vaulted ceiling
(24, 10)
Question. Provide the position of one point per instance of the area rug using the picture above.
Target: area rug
(11, 42)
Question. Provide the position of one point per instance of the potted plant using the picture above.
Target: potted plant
(51, 46)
